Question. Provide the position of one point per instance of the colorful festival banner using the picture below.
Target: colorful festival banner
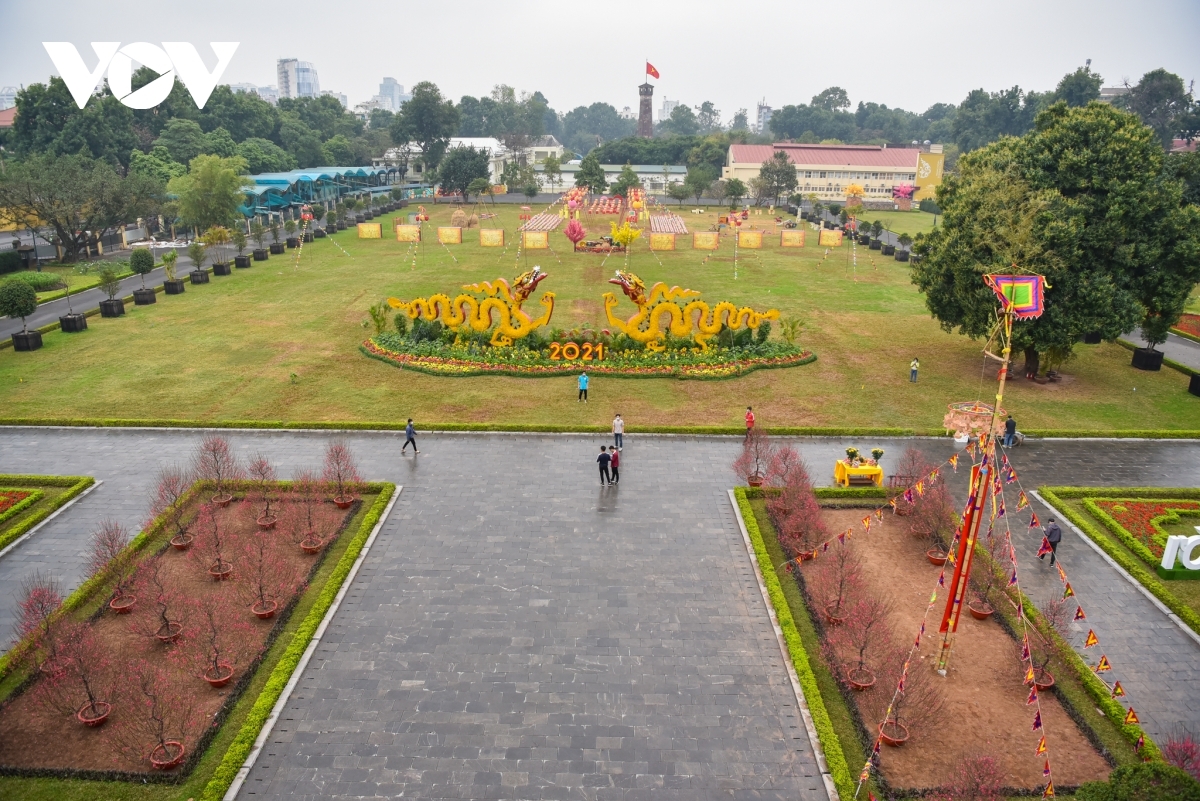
(1025, 293)
(791, 239)
(491, 237)
(705, 240)
(450, 235)
(535, 240)
(752, 240)
(408, 233)
(662, 241)
(830, 239)
(370, 231)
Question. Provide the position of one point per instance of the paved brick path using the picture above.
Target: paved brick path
(517, 632)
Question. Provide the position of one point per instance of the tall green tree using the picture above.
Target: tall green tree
(735, 190)
(1079, 88)
(682, 121)
(778, 175)
(625, 181)
(708, 116)
(591, 174)
(211, 191)
(76, 196)
(1083, 200)
(832, 99)
(427, 120)
(1161, 101)
(699, 178)
(461, 167)
(552, 169)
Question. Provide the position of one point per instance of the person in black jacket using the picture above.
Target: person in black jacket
(604, 460)
(1054, 537)
(1010, 432)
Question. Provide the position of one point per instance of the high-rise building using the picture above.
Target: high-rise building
(646, 111)
(664, 111)
(297, 78)
(391, 95)
(762, 116)
(267, 93)
(341, 98)
(8, 97)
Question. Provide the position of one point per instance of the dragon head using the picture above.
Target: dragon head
(525, 283)
(631, 285)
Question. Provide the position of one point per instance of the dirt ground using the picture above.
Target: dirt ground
(984, 710)
(35, 732)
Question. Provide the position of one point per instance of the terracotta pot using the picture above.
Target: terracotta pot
(310, 545)
(220, 675)
(1043, 680)
(898, 735)
(122, 604)
(343, 501)
(266, 610)
(830, 617)
(182, 541)
(221, 571)
(93, 715)
(755, 481)
(223, 499)
(167, 755)
(904, 510)
(936, 557)
(169, 632)
(982, 612)
(860, 679)
(267, 521)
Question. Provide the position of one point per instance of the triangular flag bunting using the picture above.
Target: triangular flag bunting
(1091, 639)
(1022, 500)
(866, 521)
(954, 462)
(1141, 742)
(1013, 579)
(879, 512)
(842, 538)
(1037, 721)
(892, 503)
(1062, 576)
(908, 496)
(933, 474)
(866, 772)
(1103, 665)
(1025, 651)
(1118, 691)
(1000, 511)
(1045, 547)
(1032, 699)
(1049, 791)
(1046, 769)
(1068, 591)
(1033, 521)
(1029, 675)
(1131, 717)
(1079, 615)
(1010, 475)
(920, 488)
(1041, 748)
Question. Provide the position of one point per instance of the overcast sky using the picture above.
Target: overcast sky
(898, 52)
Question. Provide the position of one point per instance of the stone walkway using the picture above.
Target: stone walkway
(519, 632)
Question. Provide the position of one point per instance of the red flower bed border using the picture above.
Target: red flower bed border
(10, 498)
(1189, 324)
(1140, 517)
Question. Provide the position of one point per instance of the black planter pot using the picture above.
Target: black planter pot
(241, 261)
(176, 287)
(112, 308)
(358, 218)
(1092, 338)
(73, 323)
(876, 244)
(828, 225)
(199, 276)
(144, 296)
(889, 250)
(260, 254)
(370, 215)
(27, 340)
(292, 242)
(901, 255)
(222, 269)
(1194, 386)
(308, 236)
(864, 240)
(1146, 359)
(319, 233)
(277, 248)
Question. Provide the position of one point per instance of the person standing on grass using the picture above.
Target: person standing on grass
(615, 466)
(410, 433)
(604, 459)
(583, 382)
(913, 367)
(618, 433)
(1054, 537)
(749, 421)
(1010, 431)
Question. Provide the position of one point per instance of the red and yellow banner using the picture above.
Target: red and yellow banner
(791, 239)
(830, 239)
(450, 235)
(535, 240)
(662, 241)
(408, 233)
(491, 237)
(370, 231)
(706, 240)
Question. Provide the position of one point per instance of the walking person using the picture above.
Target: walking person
(913, 367)
(604, 459)
(749, 422)
(615, 466)
(1010, 432)
(583, 382)
(410, 433)
(1054, 537)
(618, 432)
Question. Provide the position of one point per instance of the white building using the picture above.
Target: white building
(391, 95)
(8, 97)
(627, 114)
(664, 112)
(654, 177)
(341, 98)
(297, 78)
(542, 148)
(762, 116)
(267, 93)
(498, 157)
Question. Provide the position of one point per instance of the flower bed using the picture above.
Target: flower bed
(26, 501)
(1141, 518)
(9, 499)
(1188, 326)
(440, 358)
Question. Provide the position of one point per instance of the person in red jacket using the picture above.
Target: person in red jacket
(614, 465)
(749, 421)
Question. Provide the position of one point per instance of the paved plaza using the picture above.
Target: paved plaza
(518, 631)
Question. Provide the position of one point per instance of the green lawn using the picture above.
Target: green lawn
(901, 222)
(280, 342)
(75, 281)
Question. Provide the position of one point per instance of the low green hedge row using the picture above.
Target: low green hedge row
(1131, 565)
(242, 744)
(33, 497)
(1183, 368)
(75, 484)
(1179, 332)
(1147, 433)
(835, 757)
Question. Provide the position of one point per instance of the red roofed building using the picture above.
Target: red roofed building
(829, 169)
(7, 117)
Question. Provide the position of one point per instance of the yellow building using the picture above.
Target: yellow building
(828, 170)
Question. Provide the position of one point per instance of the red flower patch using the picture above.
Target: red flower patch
(1137, 517)
(10, 498)
(1189, 324)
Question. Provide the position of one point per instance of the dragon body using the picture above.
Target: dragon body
(499, 306)
(662, 310)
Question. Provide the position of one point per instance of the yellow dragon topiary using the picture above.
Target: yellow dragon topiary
(660, 312)
(477, 312)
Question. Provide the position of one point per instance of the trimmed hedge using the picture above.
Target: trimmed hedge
(1183, 368)
(1134, 567)
(242, 744)
(75, 485)
(1179, 332)
(835, 757)
(33, 497)
(1148, 433)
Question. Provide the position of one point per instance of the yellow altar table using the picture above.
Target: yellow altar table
(843, 473)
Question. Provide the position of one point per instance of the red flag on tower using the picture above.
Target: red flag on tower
(651, 71)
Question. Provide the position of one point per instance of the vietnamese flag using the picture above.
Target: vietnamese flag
(651, 71)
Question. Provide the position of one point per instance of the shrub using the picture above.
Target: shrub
(1183, 752)
(10, 261)
(401, 323)
(17, 299)
(141, 261)
(755, 457)
(109, 283)
(977, 778)
(41, 282)
(1149, 781)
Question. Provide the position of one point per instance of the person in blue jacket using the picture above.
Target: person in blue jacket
(583, 382)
